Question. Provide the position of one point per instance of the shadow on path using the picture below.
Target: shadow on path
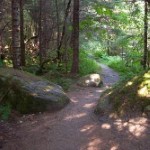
(77, 128)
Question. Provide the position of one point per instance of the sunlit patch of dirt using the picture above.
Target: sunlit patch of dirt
(76, 127)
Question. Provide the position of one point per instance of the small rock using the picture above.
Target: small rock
(92, 80)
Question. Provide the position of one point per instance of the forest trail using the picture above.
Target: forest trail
(76, 127)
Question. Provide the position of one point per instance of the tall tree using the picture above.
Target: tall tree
(22, 44)
(42, 22)
(16, 48)
(145, 35)
(75, 38)
(63, 29)
(58, 29)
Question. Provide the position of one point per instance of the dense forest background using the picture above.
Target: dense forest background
(41, 34)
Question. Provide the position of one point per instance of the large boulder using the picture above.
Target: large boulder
(28, 93)
(92, 80)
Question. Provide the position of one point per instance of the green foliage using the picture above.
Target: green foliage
(86, 23)
(132, 94)
(56, 77)
(87, 64)
(127, 96)
(65, 83)
(113, 25)
(5, 111)
(99, 54)
(103, 9)
(1, 63)
(31, 69)
(121, 66)
(121, 17)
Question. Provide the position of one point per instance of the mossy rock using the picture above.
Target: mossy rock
(104, 106)
(127, 97)
(92, 80)
(28, 93)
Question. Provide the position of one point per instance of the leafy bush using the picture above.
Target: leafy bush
(63, 82)
(59, 79)
(87, 64)
(99, 54)
(31, 69)
(120, 66)
(5, 111)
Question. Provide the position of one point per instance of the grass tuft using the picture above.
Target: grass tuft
(87, 65)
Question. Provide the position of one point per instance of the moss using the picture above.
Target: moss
(9, 72)
(126, 98)
(13, 91)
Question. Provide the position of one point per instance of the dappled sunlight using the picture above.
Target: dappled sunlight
(115, 147)
(106, 126)
(73, 99)
(143, 91)
(99, 90)
(87, 128)
(144, 88)
(48, 88)
(147, 75)
(136, 130)
(119, 126)
(77, 116)
(94, 144)
(129, 83)
(91, 105)
(136, 127)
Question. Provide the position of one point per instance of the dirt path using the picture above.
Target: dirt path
(77, 128)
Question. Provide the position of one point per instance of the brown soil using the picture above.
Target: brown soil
(77, 128)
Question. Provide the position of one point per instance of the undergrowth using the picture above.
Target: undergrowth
(5, 110)
(87, 65)
(125, 70)
(127, 97)
(132, 95)
(60, 79)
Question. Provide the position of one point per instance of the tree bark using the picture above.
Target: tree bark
(75, 38)
(42, 39)
(63, 30)
(16, 50)
(22, 44)
(145, 35)
(58, 29)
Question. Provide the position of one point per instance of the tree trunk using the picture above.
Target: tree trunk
(63, 30)
(40, 30)
(42, 21)
(58, 29)
(16, 50)
(22, 44)
(75, 38)
(1, 45)
(145, 36)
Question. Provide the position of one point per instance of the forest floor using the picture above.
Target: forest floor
(76, 127)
